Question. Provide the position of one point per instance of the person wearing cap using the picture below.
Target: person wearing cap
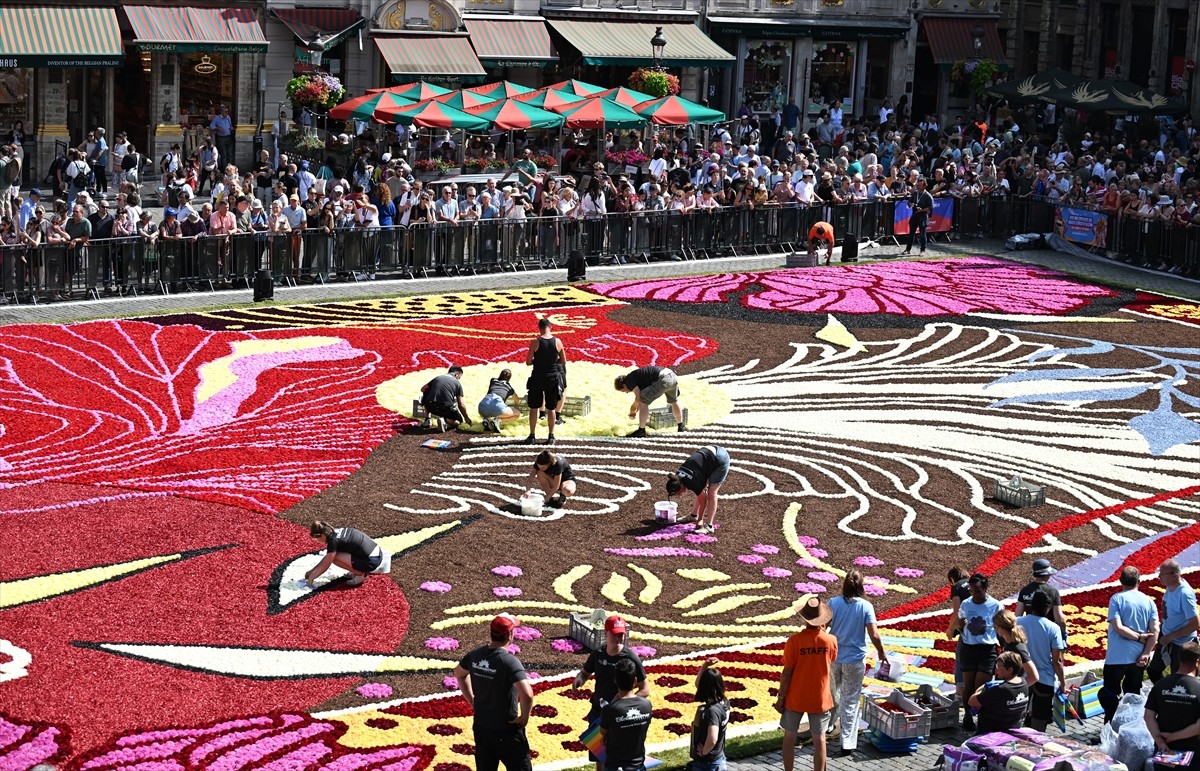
(977, 642)
(853, 622)
(821, 232)
(1042, 570)
(348, 548)
(1179, 619)
(625, 721)
(494, 683)
(32, 201)
(305, 179)
(808, 657)
(603, 663)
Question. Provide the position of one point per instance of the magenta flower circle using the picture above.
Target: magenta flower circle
(514, 649)
(526, 633)
(822, 575)
(874, 590)
(441, 644)
(374, 690)
(437, 587)
(868, 561)
(450, 683)
(807, 541)
(764, 548)
(566, 645)
(808, 587)
(771, 572)
(804, 562)
(751, 559)
(909, 572)
(643, 651)
(509, 571)
(818, 553)
(534, 675)
(658, 551)
(699, 538)
(506, 591)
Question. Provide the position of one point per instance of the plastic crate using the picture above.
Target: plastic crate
(584, 629)
(1018, 493)
(662, 417)
(913, 723)
(885, 743)
(802, 260)
(947, 710)
(576, 406)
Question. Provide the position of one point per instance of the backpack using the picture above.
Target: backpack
(12, 172)
(165, 163)
(130, 162)
(80, 180)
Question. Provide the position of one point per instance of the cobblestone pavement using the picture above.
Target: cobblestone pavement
(867, 757)
(154, 304)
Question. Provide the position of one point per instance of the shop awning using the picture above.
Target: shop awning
(430, 56)
(627, 43)
(329, 26)
(38, 36)
(953, 39)
(187, 29)
(511, 42)
(819, 29)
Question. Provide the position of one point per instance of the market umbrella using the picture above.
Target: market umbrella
(431, 114)
(600, 113)
(463, 100)
(576, 87)
(677, 111)
(501, 89)
(364, 107)
(1052, 85)
(1130, 98)
(419, 91)
(510, 115)
(549, 100)
(625, 96)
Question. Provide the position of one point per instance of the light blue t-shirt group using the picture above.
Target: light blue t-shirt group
(1136, 611)
(1179, 607)
(849, 626)
(978, 628)
(1044, 637)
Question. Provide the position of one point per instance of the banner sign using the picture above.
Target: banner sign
(1085, 227)
(940, 221)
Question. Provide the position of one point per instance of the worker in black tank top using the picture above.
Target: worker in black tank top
(546, 355)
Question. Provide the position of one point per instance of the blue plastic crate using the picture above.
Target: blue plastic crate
(885, 743)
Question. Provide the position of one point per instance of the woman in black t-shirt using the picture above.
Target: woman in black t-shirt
(1002, 705)
(349, 549)
(494, 407)
(712, 717)
(1013, 638)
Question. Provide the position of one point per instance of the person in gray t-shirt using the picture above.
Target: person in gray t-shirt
(442, 398)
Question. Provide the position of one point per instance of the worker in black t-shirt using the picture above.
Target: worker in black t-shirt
(493, 681)
(647, 384)
(703, 473)
(1002, 705)
(1042, 570)
(1173, 707)
(442, 398)
(349, 549)
(548, 359)
(552, 475)
(603, 664)
(624, 722)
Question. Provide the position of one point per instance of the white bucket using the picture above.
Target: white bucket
(666, 511)
(531, 503)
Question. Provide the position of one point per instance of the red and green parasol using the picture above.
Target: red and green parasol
(600, 113)
(430, 114)
(510, 114)
(576, 87)
(677, 111)
(419, 91)
(464, 100)
(626, 97)
(549, 100)
(364, 107)
(501, 89)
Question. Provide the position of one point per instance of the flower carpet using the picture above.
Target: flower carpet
(158, 475)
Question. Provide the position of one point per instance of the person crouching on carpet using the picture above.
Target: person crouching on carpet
(350, 549)
(442, 398)
(703, 473)
(493, 407)
(552, 475)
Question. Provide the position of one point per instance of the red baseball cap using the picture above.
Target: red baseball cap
(615, 625)
(504, 624)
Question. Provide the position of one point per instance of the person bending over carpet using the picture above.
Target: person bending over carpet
(351, 550)
(493, 407)
(703, 473)
(647, 384)
(442, 398)
(552, 475)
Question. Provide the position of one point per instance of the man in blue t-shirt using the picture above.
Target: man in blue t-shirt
(853, 622)
(1179, 620)
(1046, 645)
(493, 681)
(1132, 632)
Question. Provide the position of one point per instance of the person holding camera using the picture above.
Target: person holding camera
(921, 202)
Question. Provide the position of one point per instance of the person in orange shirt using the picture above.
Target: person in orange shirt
(808, 657)
(821, 231)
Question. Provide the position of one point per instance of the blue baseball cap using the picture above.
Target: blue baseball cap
(36, 192)
(304, 164)
(170, 212)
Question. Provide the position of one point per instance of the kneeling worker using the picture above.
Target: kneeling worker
(552, 475)
(442, 398)
(822, 231)
(350, 549)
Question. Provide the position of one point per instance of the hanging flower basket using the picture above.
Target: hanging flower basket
(657, 84)
(318, 91)
(976, 74)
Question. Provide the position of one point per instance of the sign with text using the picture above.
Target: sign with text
(1085, 227)
(940, 221)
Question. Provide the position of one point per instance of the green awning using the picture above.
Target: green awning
(627, 44)
(430, 56)
(185, 29)
(328, 26)
(516, 42)
(39, 36)
(819, 29)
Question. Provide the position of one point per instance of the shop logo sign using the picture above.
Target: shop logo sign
(205, 67)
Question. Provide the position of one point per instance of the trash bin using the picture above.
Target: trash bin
(258, 148)
(576, 266)
(264, 286)
(850, 247)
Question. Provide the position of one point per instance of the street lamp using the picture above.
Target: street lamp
(977, 37)
(657, 44)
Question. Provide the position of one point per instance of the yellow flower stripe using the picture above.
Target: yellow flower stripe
(779, 615)
(564, 585)
(654, 585)
(700, 595)
(447, 623)
(791, 535)
(730, 603)
(614, 589)
(701, 574)
(505, 604)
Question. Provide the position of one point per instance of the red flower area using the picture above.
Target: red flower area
(451, 767)
(680, 698)
(382, 723)
(463, 749)
(554, 729)
(681, 729)
(443, 708)
(665, 714)
(574, 746)
(543, 710)
(444, 729)
(1187, 311)
(734, 686)
(738, 717)
(666, 681)
(743, 703)
(922, 288)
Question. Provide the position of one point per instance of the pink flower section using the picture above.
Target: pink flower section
(909, 572)
(450, 683)
(667, 533)
(506, 591)
(566, 645)
(804, 562)
(441, 644)
(534, 675)
(689, 289)
(874, 590)
(818, 553)
(699, 538)
(751, 559)
(764, 548)
(374, 690)
(36, 745)
(658, 551)
(771, 572)
(509, 571)
(808, 587)
(437, 587)
(514, 649)
(807, 541)
(822, 575)
(643, 651)
(868, 561)
(526, 633)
